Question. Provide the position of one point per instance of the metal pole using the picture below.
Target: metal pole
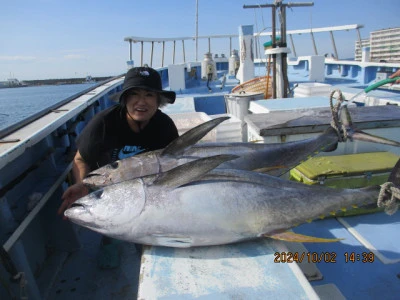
(293, 48)
(197, 29)
(209, 45)
(334, 45)
(313, 41)
(273, 55)
(163, 50)
(141, 54)
(274, 5)
(183, 49)
(284, 55)
(173, 53)
(130, 50)
(151, 55)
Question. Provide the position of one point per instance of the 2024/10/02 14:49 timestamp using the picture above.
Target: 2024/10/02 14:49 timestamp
(327, 257)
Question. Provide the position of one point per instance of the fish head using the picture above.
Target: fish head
(105, 175)
(121, 170)
(111, 210)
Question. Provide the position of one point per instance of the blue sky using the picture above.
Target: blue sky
(42, 39)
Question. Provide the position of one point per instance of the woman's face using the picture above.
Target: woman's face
(141, 105)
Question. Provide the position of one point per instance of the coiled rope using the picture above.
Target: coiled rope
(391, 205)
(389, 195)
(341, 130)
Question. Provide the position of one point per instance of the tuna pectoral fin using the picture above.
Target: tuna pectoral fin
(290, 236)
(362, 136)
(191, 137)
(269, 169)
(191, 171)
(172, 241)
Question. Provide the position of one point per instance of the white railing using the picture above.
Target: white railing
(163, 41)
(219, 44)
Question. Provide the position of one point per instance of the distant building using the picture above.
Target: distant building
(12, 82)
(384, 45)
(358, 49)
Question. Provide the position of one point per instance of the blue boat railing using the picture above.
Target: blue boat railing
(8, 130)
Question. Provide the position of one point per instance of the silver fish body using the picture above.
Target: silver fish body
(133, 167)
(188, 207)
(274, 159)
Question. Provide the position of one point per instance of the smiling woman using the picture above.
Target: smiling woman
(140, 105)
(132, 126)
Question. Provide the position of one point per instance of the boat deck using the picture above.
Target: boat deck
(71, 270)
(367, 260)
(368, 257)
(247, 270)
(80, 277)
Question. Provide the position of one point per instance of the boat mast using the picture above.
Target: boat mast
(197, 28)
(276, 53)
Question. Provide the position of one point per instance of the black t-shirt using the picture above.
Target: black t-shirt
(108, 137)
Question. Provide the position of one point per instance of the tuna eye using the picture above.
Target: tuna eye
(98, 193)
(114, 165)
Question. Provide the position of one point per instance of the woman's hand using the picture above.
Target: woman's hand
(73, 193)
(396, 74)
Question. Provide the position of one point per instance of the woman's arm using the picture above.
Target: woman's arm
(78, 190)
(79, 168)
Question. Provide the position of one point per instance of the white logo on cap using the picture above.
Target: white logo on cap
(144, 73)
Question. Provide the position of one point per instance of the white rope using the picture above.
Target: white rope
(335, 123)
(391, 205)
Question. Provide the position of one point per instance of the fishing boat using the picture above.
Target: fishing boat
(270, 99)
(89, 79)
(11, 83)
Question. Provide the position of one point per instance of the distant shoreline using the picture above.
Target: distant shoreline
(62, 81)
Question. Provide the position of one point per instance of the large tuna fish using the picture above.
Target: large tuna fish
(273, 159)
(187, 206)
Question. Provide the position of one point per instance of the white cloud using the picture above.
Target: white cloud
(73, 56)
(73, 50)
(16, 58)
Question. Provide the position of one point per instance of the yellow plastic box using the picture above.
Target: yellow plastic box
(347, 171)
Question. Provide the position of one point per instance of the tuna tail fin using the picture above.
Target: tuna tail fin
(355, 134)
(191, 171)
(191, 137)
(389, 197)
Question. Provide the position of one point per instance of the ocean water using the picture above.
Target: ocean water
(18, 104)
